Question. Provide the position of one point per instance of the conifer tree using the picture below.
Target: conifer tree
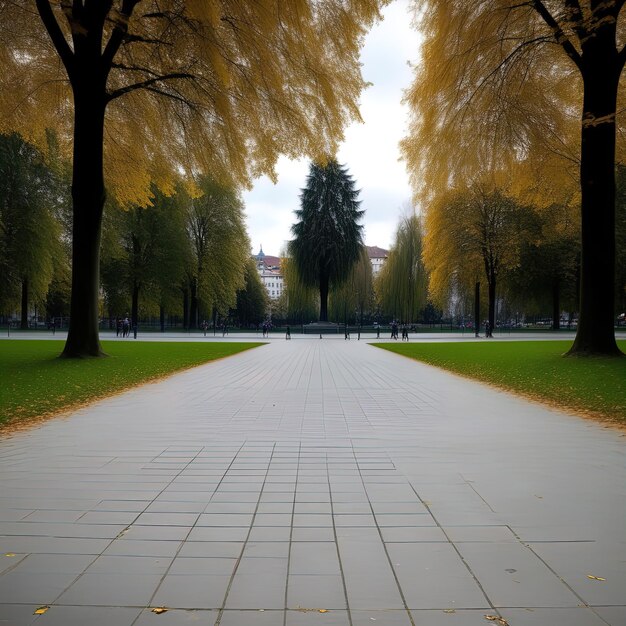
(327, 237)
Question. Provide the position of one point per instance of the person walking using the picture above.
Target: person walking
(288, 333)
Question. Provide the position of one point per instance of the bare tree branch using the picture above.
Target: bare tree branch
(145, 84)
(561, 38)
(119, 32)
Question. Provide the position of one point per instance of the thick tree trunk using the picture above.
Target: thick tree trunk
(596, 334)
(88, 195)
(162, 317)
(556, 304)
(24, 309)
(323, 298)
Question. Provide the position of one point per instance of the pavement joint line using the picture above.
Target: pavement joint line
(245, 543)
(465, 563)
(341, 568)
(470, 484)
(293, 511)
(572, 590)
(384, 545)
(182, 543)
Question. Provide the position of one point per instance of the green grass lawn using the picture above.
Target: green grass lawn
(34, 382)
(595, 386)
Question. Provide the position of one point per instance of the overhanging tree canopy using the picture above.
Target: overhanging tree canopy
(223, 87)
(531, 87)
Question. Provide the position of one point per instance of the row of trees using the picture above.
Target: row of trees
(527, 257)
(186, 254)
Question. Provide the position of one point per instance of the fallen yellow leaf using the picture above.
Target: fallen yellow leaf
(10, 554)
(41, 610)
(323, 610)
(159, 609)
(595, 577)
(498, 619)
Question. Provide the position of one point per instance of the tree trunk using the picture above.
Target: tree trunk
(185, 308)
(162, 317)
(193, 308)
(556, 304)
(323, 298)
(24, 310)
(134, 313)
(477, 308)
(596, 334)
(492, 302)
(88, 195)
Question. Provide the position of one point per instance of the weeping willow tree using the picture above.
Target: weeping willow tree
(302, 301)
(532, 87)
(220, 249)
(402, 281)
(354, 297)
(142, 90)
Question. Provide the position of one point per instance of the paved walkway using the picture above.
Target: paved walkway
(310, 475)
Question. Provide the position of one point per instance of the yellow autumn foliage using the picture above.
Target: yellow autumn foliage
(223, 87)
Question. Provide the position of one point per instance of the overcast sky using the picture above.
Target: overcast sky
(370, 150)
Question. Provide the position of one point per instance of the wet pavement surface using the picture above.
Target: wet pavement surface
(314, 482)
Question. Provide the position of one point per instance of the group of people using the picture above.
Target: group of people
(123, 327)
(404, 328)
(267, 326)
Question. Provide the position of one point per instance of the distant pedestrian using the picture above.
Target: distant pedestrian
(377, 332)
(288, 333)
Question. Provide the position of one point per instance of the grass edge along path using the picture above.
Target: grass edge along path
(36, 384)
(592, 387)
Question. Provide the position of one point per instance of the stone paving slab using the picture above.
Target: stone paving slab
(312, 475)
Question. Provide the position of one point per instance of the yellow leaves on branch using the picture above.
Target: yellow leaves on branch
(228, 86)
(493, 92)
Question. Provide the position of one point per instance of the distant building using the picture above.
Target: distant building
(377, 256)
(272, 276)
(270, 273)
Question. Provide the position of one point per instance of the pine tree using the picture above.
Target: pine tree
(327, 237)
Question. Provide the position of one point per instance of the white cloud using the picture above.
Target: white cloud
(370, 150)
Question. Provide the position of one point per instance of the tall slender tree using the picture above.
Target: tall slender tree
(220, 249)
(327, 237)
(29, 231)
(403, 281)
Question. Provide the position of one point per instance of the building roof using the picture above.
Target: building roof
(374, 252)
(272, 261)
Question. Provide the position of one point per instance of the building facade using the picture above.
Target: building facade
(272, 277)
(270, 273)
(377, 256)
